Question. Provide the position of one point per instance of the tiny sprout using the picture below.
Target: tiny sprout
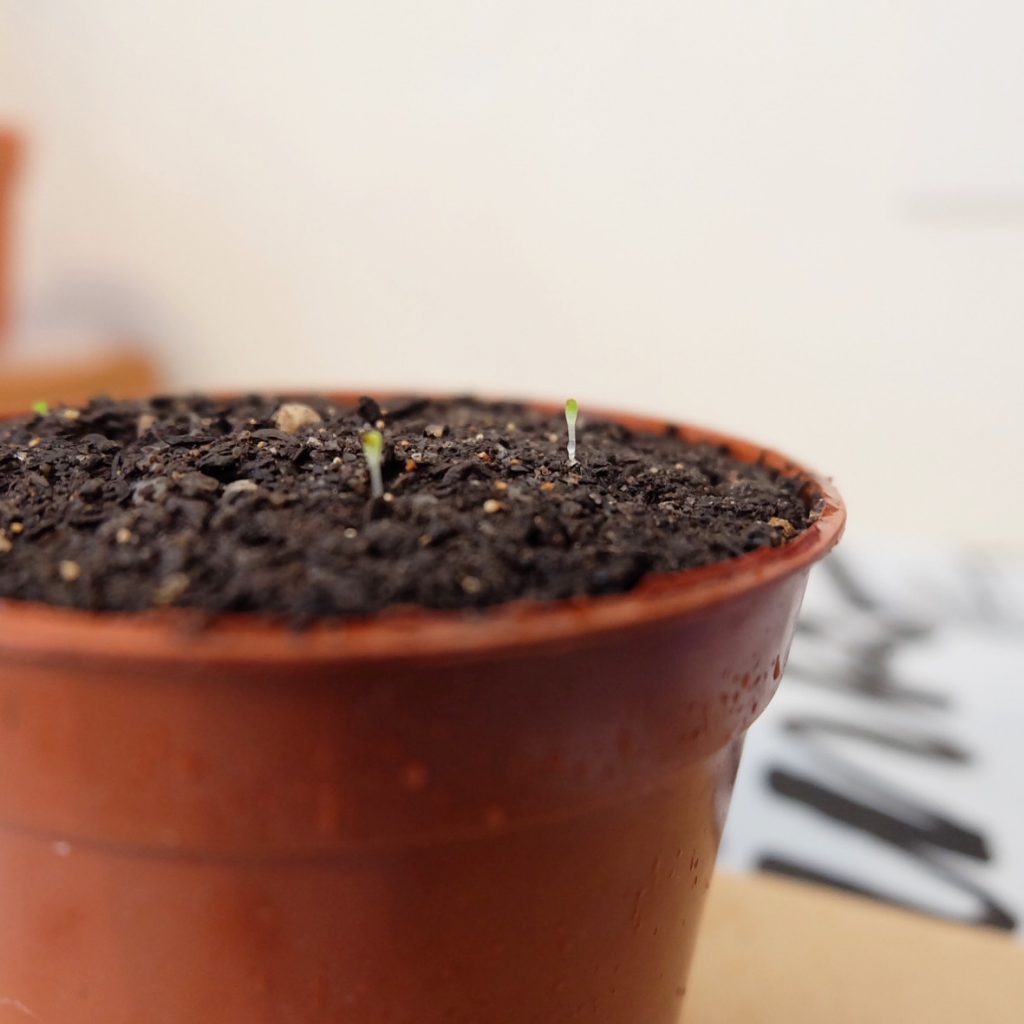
(41, 408)
(572, 408)
(373, 449)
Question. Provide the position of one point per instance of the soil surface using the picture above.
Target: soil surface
(263, 504)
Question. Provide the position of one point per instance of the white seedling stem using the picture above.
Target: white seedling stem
(571, 411)
(376, 481)
(373, 447)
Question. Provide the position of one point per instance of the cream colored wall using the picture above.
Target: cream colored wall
(700, 209)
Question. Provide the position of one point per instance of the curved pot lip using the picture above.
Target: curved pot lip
(34, 631)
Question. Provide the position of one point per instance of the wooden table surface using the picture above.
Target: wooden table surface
(774, 950)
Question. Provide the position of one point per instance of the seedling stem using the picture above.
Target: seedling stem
(571, 410)
(373, 449)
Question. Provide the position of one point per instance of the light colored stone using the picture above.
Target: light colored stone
(241, 486)
(471, 585)
(787, 528)
(171, 588)
(293, 416)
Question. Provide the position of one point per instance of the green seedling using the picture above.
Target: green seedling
(40, 408)
(373, 450)
(572, 409)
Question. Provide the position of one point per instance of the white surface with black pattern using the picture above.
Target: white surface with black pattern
(891, 761)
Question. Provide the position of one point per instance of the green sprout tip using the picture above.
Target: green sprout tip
(373, 450)
(572, 409)
(41, 408)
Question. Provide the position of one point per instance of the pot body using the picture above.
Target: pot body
(521, 836)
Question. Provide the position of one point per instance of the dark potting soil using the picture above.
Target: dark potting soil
(241, 506)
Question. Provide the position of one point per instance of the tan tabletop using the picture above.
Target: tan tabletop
(774, 951)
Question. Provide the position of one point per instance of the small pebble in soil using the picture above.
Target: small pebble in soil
(240, 487)
(787, 528)
(171, 588)
(69, 571)
(291, 417)
(262, 504)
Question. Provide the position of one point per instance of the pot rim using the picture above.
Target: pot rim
(35, 631)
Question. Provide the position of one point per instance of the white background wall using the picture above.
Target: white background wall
(802, 221)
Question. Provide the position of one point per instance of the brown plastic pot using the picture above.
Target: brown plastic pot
(426, 818)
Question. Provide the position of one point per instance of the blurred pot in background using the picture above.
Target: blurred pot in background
(10, 152)
(34, 369)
